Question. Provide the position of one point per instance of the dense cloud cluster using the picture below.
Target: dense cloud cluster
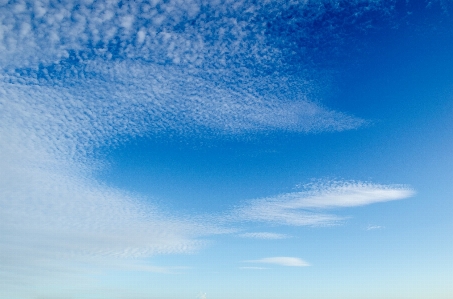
(197, 33)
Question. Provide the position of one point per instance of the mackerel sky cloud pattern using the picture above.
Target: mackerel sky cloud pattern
(77, 76)
(150, 52)
(82, 80)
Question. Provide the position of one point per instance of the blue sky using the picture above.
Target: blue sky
(226, 149)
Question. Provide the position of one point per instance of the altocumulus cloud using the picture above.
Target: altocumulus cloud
(193, 32)
(78, 75)
(170, 65)
(53, 211)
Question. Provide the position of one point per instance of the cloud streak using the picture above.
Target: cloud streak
(310, 207)
(264, 235)
(281, 261)
(374, 227)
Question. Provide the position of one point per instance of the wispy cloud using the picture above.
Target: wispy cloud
(309, 207)
(264, 235)
(140, 62)
(48, 216)
(134, 98)
(281, 261)
(374, 227)
(76, 76)
(53, 212)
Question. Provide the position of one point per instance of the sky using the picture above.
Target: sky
(226, 149)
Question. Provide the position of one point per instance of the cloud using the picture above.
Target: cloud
(192, 32)
(175, 67)
(374, 227)
(347, 194)
(264, 235)
(136, 98)
(79, 75)
(49, 218)
(76, 77)
(281, 261)
(309, 207)
(54, 214)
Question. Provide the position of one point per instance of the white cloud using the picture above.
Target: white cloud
(347, 194)
(374, 227)
(52, 208)
(307, 207)
(76, 76)
(54, 214)
(49, 218)
(224, 33)
(281, 261)
(131, 98)
(105, 50)
(264, 235)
